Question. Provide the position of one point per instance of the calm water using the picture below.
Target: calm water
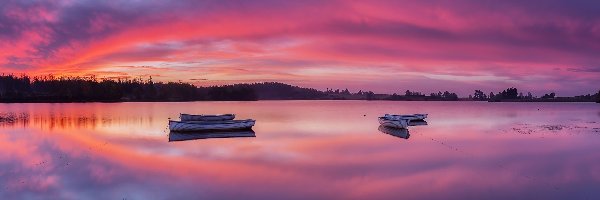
(302, 150)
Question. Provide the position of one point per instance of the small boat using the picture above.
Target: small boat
(189, 126)
(393, 122)
(397, 132)
(183, 136)
(409, 117)
(223, 117)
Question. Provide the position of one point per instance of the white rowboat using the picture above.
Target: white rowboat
(223, 117)
(191, 126)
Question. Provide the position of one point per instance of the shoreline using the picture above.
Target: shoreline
(379, 100)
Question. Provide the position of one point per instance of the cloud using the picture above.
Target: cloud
(508, 40)
(585, 69)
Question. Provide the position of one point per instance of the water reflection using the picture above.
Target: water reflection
(12, 118)
(306, 150)
(183, 136)
(75, 121)
(397, 132)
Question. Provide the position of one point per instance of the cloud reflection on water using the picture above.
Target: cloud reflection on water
(111, 153)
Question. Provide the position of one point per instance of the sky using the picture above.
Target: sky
(386, 46)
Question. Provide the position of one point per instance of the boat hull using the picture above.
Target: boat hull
(224, 117)
(393, 123)
(192, 126)
(183, 136)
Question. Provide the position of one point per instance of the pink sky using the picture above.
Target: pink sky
(385, 46)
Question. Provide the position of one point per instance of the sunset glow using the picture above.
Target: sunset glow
(121, 150)
(381, 45)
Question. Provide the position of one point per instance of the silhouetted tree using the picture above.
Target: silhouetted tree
(510, 93)
(370, 95)
(449, 96)
(409, 93)
(549, 96)
(479, 95)
(346, 92)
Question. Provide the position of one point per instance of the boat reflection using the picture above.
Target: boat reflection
(175, 136)
(397, 132)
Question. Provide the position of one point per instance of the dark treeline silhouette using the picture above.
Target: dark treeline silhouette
(549, 96)
(347, 95)
(239, 92)
(89, 89)
(510, 93)
(260, 91)
(417, 96)
(78, 89)
(513, 94)
(281, 91)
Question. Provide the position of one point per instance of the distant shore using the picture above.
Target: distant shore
(50, 89)
(558, 100)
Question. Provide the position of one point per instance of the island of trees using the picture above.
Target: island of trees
(90, 89)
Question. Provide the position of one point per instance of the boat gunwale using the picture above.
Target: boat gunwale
(215, 122)
(215, 115)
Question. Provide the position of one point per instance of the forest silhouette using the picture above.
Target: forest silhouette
(90, 89)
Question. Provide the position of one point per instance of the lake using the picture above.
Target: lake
(302, 150)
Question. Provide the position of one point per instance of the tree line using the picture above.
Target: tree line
(84, 89)
(513, 94)
(418, 96)
(90, 89)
